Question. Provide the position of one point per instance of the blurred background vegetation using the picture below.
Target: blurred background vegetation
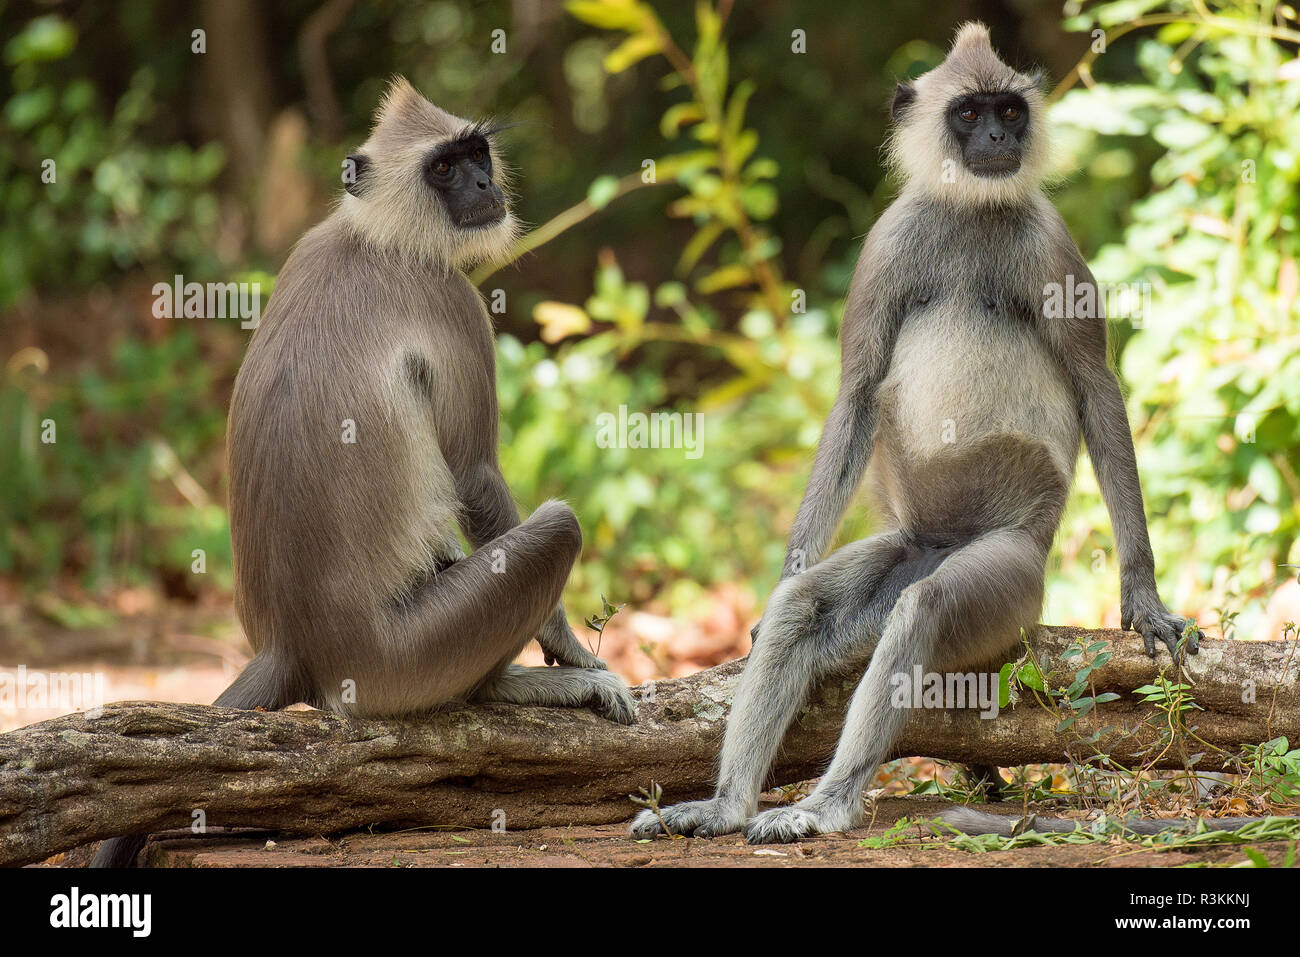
(717, 288)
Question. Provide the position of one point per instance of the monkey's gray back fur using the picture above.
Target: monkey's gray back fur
(338, 482)
(363, 442)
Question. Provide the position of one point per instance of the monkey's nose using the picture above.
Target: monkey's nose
(482, 183)
(997, 136)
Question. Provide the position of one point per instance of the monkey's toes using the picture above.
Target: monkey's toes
(645, 826)
(781, 825)
(711, 818)
(612, 700)
(590, 662)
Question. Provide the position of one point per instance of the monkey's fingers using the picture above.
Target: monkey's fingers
(1187, 640)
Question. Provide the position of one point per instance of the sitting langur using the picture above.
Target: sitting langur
(363, 436)
(968, 400)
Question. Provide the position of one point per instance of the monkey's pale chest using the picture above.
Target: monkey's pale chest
(960, 377)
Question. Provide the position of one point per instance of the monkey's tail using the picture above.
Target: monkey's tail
(969, 821)
(263, 683)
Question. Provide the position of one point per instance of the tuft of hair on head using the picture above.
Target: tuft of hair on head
(386, 201)
(922, 150)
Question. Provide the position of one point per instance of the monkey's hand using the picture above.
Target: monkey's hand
(562, 647)
(1145, 613)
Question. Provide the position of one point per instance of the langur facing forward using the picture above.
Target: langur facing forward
(967, 400)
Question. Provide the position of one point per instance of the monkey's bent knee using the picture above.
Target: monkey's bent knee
(556, 519)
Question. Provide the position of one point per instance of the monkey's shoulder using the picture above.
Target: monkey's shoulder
(922, 250)
(335, 284)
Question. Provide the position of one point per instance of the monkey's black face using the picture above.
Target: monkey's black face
(991, 129)
(460, 173)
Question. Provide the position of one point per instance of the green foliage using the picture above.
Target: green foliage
(109, 495)
(83, 194)
(1107, 830)
(1274, 770)
(898, 835)
(762, 415)
(1214, 369)
(655, 518)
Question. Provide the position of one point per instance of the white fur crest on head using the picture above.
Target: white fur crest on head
(396, 209)
(922, 148)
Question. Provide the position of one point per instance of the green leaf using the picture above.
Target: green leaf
(759, 200)
(1029, 676)
(45, 38)
(1004, 684)
(699, 244)
(736, 107)
(631, 51)
(725, 277)
(677, 116)
(601, 191)
(627, 15)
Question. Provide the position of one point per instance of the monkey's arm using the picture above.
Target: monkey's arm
(871, 321)
(842, 456)
(1109, 438)
(488, 511)
(1110, 446)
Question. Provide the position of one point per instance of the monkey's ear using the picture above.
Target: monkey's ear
(354, 172)
(903, 97)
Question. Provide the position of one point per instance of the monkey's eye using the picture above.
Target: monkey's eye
(969, 115)
(478, 157)
(1011, 113)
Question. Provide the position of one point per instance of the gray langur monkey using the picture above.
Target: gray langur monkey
(967, 399)
(363, 436)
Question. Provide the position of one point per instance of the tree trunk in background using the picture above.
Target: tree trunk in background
(313, 55)
(237, 90)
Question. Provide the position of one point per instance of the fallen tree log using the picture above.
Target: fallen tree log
(137, 767)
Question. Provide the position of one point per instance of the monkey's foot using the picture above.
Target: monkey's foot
(562, 647)
(576, 657)
(1156, 623)
(610, 698)
(711, 818)
(781, 825)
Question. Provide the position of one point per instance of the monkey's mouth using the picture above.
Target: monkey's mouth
(995, 167)
(485, 214)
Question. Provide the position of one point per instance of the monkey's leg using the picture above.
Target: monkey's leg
(562, 687)
(467, 623)
(962, 614)
(813, 622)
(490, 512)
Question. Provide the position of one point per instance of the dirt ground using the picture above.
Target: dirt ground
(608, 846)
